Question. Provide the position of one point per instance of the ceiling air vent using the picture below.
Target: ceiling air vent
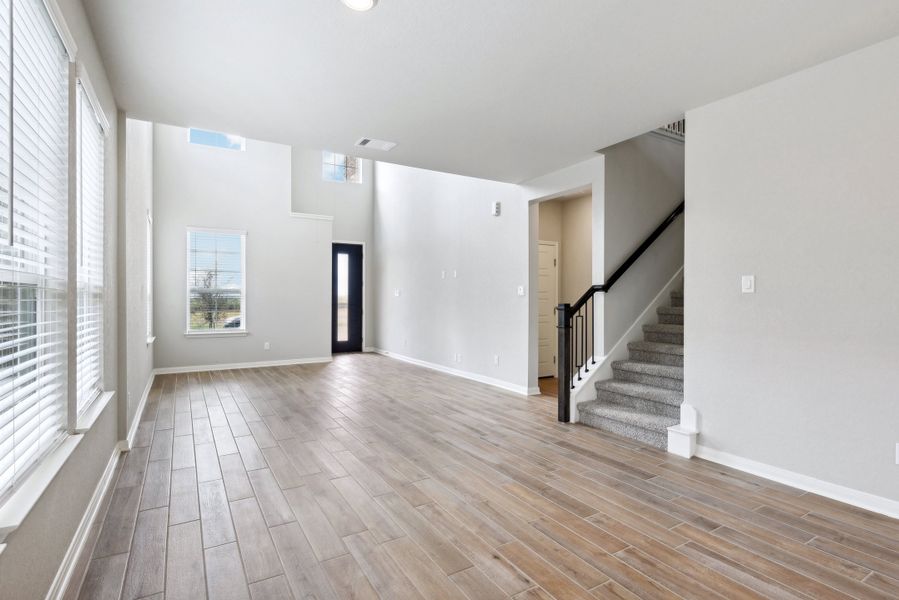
(375, 144)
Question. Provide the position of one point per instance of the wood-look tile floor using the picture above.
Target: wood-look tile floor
(369, 478)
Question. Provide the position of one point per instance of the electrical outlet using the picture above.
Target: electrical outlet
(396, 292)
(496, 359)
(521, 290)
(267, 346)
(442, 274)
(455, 273)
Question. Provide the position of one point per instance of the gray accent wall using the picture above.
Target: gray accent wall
(288, 272)
(797, 183)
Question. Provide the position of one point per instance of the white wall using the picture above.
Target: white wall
(288, 276)
(36, 549)
(644, 182)
(350, 205)
(796, 182)
(427, 222)
(138, 203)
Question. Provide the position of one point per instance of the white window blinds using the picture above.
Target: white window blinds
(89, 327)
(33, 237)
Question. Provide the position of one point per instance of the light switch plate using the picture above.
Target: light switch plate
(747, 284)
(396, 292)
(897, 453)
(521, 290)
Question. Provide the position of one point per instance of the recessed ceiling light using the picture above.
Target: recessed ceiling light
(360, 5)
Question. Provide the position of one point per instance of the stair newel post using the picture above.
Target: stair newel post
(563, 326)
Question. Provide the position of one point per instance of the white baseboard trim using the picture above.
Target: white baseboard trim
(245, 365)
(64, 575)
(864, 500)
(534, 391)
(510, 387)
(126, 444)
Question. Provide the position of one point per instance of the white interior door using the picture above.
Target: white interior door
(547, 300)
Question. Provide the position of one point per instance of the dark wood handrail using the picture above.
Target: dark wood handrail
(610, 281)
(576, 345)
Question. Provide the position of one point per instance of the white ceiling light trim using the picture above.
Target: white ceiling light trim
(360, 5)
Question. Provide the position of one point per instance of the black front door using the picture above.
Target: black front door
(346, 298)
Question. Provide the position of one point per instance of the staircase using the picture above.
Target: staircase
(644, 397)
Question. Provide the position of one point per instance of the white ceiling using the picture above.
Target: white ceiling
(502, 89)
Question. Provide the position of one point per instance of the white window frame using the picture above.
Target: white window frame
(357, 170)
(236, 332)
(84, 91)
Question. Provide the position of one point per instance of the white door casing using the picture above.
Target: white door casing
(547, 300)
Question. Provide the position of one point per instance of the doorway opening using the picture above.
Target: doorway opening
(564, 270)
(346, 298)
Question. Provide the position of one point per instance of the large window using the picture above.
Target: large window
(89, 329)
(216, 301)
(340, 167)
(33, 237)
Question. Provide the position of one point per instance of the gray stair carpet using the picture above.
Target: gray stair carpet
(643, 398)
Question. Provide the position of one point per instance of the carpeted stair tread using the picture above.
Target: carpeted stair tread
(664, 328)
(672, 315)
(657, 370)
(640, 390)
(627, 415)
(659, 347)
(644, 397)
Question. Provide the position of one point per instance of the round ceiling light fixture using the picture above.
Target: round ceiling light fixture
(360, 5)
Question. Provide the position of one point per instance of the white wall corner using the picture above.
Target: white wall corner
(682, 438)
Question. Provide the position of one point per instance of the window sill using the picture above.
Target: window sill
(216, 333)
(151, 339)
(17, 507)
(89, 415)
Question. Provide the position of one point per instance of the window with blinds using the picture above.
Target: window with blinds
(215, 281)
(89, 325)
(33, 237)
